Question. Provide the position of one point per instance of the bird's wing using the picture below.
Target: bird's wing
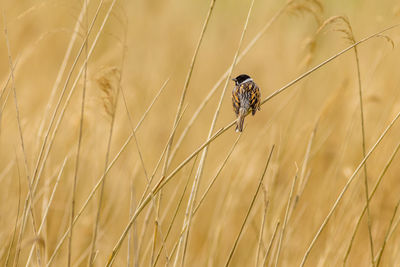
(236, 99)
(255, 95)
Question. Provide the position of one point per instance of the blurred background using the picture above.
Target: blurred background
(139, 65)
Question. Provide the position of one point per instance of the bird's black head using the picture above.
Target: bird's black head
(241, 78)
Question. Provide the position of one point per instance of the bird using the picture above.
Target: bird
(246, 97)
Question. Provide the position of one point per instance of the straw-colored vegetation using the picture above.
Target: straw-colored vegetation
(117, 146)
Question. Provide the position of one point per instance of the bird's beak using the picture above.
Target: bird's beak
(234, 79)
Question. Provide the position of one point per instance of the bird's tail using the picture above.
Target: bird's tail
(240, 120)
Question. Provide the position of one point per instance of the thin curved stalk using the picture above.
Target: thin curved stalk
(8, 94)
(63, 66)
(270, 244)
(249, 210)
(285, 220)
(205, 193)
(133, 232)
(149, 184)
(16, 219)
(208, 187)
(378, 261)
(216, 175)
(260, 238)
(98, 213)
(21, 137)
(339, 198)
(360, 95)
(378, 182)
(78, 153)
(175, 213)
(48, 206)
(114, 107)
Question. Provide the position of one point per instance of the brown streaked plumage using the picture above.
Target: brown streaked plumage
(245, 97)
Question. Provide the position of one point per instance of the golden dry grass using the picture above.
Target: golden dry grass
(314, 126)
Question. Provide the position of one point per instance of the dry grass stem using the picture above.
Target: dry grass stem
(303, 177)
(378, 261)
(133, 232)
(206, 191)
(111, 103)
(183, 230)
(313, 7)
(84, 10)
(270, 244)
(350, 36)
(175, 213)
(352, 177)
(214, 179)
(16, 219)
(42, 224)
(378, 182)
(249, 209)
(63, 66)
(30, 206)
(260, 239)
(285, 220)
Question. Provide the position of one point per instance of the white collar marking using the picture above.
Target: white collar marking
(247, 80)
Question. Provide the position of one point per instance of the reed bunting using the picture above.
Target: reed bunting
(245, 97)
